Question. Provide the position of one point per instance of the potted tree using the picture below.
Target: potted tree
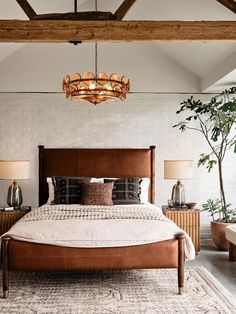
(216, 120)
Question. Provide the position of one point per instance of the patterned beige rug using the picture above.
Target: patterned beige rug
(134, 291)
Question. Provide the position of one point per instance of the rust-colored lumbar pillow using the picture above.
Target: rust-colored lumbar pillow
(97, 194)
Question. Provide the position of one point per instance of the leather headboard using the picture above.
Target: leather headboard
(98, 163)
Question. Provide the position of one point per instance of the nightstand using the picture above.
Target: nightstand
(188, 220)
(9, 218)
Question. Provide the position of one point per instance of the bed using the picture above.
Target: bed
(114, 163)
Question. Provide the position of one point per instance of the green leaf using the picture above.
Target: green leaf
(210, 164)
(229, 106)
(215, 133)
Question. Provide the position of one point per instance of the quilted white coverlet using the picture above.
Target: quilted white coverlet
(97, 226)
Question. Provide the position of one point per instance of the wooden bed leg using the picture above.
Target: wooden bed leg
(5, 271)
(232, 252)
(181, 238)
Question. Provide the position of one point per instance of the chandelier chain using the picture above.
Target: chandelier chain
(96, 45)
(96, 58)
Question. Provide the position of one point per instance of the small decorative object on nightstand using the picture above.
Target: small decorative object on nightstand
(188, 220)
(191, 205)
(9, 217)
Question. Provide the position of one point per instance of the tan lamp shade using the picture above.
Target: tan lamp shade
(14, 169)
(178, 169)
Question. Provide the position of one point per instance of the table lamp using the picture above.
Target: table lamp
(14, 170)
(178, 169)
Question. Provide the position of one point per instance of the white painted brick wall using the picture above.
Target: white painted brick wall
(27, 120)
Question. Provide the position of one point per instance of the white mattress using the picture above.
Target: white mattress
(99, 232)
(231, 233)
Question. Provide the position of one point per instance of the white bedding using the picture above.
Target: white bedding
(230, 232)
(48, 225)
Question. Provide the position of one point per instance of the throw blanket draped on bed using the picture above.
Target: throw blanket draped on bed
(97, 226)
(91, 212)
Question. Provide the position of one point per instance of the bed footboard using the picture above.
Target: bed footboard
(181, 256)
(5, 265)
(26, 256)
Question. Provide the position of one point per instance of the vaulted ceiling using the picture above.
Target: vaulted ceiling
(203, 66)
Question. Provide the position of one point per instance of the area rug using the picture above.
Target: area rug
(116, 292)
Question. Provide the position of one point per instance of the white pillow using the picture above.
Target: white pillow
(144, 190)
(50, 191)
(101, 180)
(97, 180)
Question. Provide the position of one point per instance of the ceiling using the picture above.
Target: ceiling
(212, 64)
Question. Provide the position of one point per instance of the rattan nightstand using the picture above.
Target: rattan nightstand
(188, 220)
(9, 218)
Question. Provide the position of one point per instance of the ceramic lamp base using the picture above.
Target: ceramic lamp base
(178, 194)
(14, 196)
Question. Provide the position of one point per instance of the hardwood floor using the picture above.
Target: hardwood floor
(217, 262)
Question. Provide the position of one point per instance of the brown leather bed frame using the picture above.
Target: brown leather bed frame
(116, 163)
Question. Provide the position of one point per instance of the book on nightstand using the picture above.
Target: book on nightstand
(21, 208)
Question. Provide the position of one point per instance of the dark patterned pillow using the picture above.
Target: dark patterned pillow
(97, 194)
(68, 190)
(125, 191)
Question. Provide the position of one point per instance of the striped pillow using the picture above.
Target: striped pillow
(125, 191)
(68, 190)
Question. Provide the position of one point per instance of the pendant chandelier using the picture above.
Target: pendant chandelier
(95, 88)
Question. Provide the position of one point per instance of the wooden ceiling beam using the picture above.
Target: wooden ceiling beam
(116, 31)
(26, 7)
(85, 16)
(123, 9)
(230, 4)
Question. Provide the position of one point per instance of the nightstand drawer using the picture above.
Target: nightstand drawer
(189, 221)
(184, 218)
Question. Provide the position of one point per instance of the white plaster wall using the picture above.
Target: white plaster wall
(41, 67)
(27, 120)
